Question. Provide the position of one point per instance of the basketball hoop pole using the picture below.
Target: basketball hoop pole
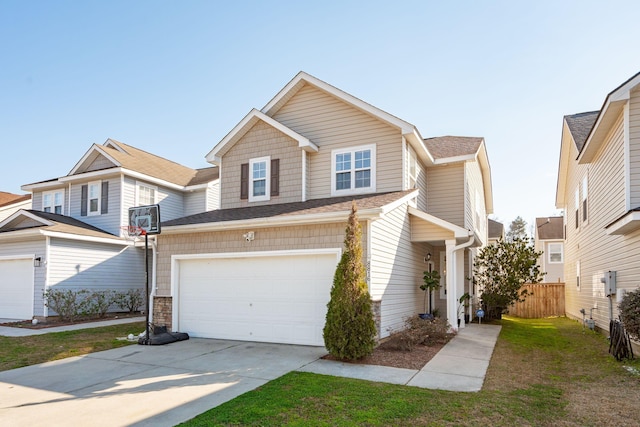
(146, 276)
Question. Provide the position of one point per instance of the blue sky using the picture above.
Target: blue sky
(173, 78)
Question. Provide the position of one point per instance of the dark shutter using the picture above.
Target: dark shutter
(104, 195)
(244, 181)
(84, 195)
(275, 177)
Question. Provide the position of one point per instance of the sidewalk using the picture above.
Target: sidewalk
(461, 365)
(9, 331)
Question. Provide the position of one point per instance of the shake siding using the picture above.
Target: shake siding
(590, 244)
(445, 193)
(260, 141)
(109, 222)
(266, 239)
(634, 148)
(396, 267)
(37, 248)
(331, 123)
(86, 265)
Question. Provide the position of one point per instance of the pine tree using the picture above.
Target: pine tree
(517, 230)
(350, 331)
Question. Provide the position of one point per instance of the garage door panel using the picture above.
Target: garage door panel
(16, 288)
(261, 298)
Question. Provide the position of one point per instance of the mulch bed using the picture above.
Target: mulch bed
(52, 321)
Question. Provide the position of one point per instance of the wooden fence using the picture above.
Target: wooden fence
(547, 300)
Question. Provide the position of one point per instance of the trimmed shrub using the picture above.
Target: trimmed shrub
(130, 300)
(66, 302)
(629, 309)
(350, 330)
(96, 303)
(419, 331)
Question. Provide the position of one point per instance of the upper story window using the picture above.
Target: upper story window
(413, 169)
(146, 194)
(260, 179)
(94, 198)
(555, 253)
(52, 201)
(353, 170)
(577, 206)
(585, 193)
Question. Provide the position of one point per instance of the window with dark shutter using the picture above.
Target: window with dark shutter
(84, 196)
(275, 177)
(244, 181)
(104, 202)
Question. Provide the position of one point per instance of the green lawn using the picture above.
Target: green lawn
(16, 352)
(543, 373)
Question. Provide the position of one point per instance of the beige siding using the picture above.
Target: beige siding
(422, 230)
(475, 210)
(99, 163)
(266, 239)
(589, 244)
(331, 123)
(634, 148)
(260, 141)
(445, 193)
(396, 268)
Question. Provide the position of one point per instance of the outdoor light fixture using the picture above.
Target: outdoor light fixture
(428, 257)
(37, 261)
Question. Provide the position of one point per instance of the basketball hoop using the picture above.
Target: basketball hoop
(132, 232)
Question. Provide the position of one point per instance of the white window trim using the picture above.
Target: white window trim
(561, 253)
(353, 190)
(140, 184)
(53, 200)
(413, 163)
(99, 185)
(267, 192)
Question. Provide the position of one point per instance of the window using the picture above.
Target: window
(146, 194)
(94, 198)
(52, 201)
(555, 253)
(584, 199)
(577, 205)
(259, 182)
(413, 169)
(353, 170)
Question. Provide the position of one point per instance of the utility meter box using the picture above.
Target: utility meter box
(609, 281)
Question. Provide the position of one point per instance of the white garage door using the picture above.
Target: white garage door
(16, 288)
(278, 298)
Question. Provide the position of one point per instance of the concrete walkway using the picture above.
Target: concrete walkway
(461, 365)
(10, 331)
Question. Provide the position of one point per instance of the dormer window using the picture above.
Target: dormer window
(94, 198)
(353, 170)
(52, 201)
(260, 179)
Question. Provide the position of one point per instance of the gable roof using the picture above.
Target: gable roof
(50, 224)
(317, 210)
(10, 198)
(442, 147)
(495, 229)
(550, 228)
(580, 125)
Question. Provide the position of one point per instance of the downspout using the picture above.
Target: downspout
(154, 268)
(47, 252)
(456, 248)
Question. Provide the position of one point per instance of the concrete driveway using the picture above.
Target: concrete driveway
(143, 385)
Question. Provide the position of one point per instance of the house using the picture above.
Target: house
(72, 238)
(549, 239)
(11, 203)
(598, 189)
(495, 231)
(261, 267)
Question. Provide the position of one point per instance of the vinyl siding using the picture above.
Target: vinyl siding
(421, 182)
(396, 269)
(475, 187)
(266, 239)
(109, 222)
(555, 271)
(213, 196)
(85, 265)
(634, 148)
(195, 202)
(99, 163)
(26, 223)
(38, 249)
(330, 124)
(589, 244)
(260, 141)
(446, 192)
(171, 201)
(7, 211)
(36, 199)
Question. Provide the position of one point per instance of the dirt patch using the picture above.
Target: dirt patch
(415, 359)
(52, 321)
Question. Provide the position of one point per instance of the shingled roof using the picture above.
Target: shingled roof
(316, 206)
(580, 125)
(452, 146)
(495, 229)
(10, 198)
(550, 228)
(64, 224)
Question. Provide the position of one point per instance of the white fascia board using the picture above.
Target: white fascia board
(93, 148)
(628, 223)
(20, 234)
(45, 185)
(455, 159)
(391, 206)
(600, 130)
(113, 241)
(417, 142)
(27, 214)
(358, 103)
(457, 231)
(87, 176)
(122, 171)
(200, 186)
(563, 165)
(284, 221)
(485, 167)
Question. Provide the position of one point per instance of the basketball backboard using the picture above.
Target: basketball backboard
(145, 217)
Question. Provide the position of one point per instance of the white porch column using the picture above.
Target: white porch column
(451, 287)
(459, 284)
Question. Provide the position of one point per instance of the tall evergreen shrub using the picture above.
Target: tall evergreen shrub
(350, 331)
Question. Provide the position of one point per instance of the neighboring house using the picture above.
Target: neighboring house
(599, 191)
(11, 203)
(549, 239)
(261, 267)
(496, 231)
(72, 236)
